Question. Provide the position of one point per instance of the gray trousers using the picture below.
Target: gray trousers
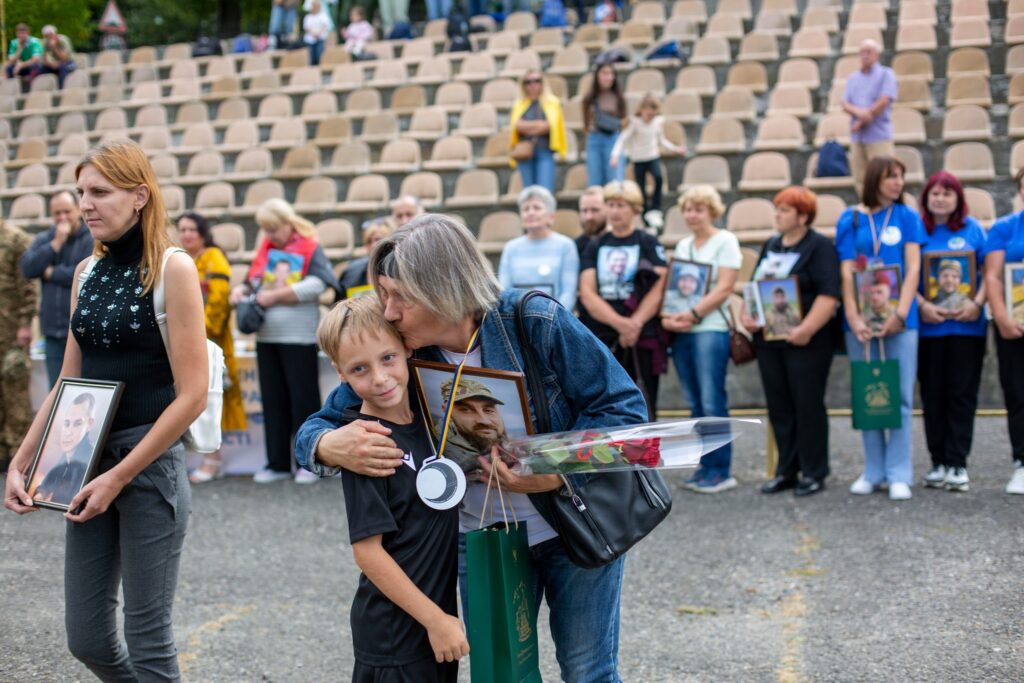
(136, 543)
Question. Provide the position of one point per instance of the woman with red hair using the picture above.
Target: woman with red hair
(794, 371)
(951, 346)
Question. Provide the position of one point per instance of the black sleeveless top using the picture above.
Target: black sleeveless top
(115, 326)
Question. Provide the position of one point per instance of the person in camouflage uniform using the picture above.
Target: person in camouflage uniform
(17, 307)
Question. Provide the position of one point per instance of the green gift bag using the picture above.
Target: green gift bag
(875, 391)
(500, 614)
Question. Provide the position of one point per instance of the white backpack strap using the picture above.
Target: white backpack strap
(159, 302)
(86, 272)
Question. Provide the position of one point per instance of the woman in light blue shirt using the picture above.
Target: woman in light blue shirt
(542, 258)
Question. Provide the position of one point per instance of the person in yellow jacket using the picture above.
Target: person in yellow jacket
(538, 131)
(215, 280)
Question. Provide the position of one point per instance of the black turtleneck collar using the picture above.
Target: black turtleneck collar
(128, 247)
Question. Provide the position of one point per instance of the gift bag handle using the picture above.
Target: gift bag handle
(881, 350)
(501, 497)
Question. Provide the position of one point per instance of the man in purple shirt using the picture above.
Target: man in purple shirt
(868, 100)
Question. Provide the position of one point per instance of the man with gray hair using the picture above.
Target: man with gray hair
(868, 99)
(57, 55)
(404, 209)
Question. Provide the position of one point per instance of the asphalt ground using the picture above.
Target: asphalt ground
(734, 587)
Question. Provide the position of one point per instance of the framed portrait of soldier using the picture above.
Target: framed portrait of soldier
(780, 304)
(687, 284)
(76, 430)
(949, 279)
(878, 294)
(488, 408)
(1014, 284)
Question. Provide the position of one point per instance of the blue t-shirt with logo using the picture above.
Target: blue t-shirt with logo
(1007, 234)
(904, 226)
(971, 237)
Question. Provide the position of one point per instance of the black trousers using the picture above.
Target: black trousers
(794, 379)
(640, 171)
(949, 373)
(1011, 378)
(641, 371)
(290, 390)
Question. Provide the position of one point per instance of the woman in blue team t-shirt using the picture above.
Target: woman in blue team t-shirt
(882, 231)
(1006, 247)
(952, 344)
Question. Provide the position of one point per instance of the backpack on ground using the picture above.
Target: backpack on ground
(832, 161)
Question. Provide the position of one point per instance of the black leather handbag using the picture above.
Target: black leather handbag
(600, 521)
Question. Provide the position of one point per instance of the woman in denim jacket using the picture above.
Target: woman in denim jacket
(437, 311)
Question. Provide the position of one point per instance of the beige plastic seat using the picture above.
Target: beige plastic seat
(40, 101)
(739, 7)
(779, 132)
(399, 156)
(502, 43)
(591, 36)
(26, 210)
(386, 74)
(108, 58)
(971, 33)
(800, 71)
(968, 89)
(366, 193)
(496, 229)
(571, 60)
(174, 199)
(1016, 122)
(202, 167)
(452, 153)
(711, 50)
(319, 105)
(264, 82)
(970, 162)
(823, 18)
(233, 109)
(428, 124)
(638, 34)
(981, 206)
(336, 237)
(523, 23)
(846, 65)
(496, 151)
(433, 71)
(725, 26)
(475, 188)
(708, 169)
(916, 65)
(750, 75)
(793, 100)
(911, 158)
(225, 86)
(833, 127)
(416, 50)
(362, 103)
(573, 184)
(304, 80)
(316, 195)
(546, 41)
(350, 158)
(479, 121)
(735, 103)
(1016, 90)
(113, 118)
(1016, 158)
(29, 152)
(478, 69)
(240, 135)
(256, 62)
(721, 136)
(765, 171)
(425, 186)
(759, 47)
(519, 62)
(155, 139)
(908, 126)
(300, 162)
(512, 191)
(811, 42)
(867, 14)
(969, 9)
(252, 164)
(643, 81)
(650, 11)
(150, 116)
(257, 193)
(142, 73)
(286, 133)
(190, 113)
(1014, 8)
(695, 10)
(700, 80)
(197, 138)
(751, 219)
(334, 55)
(330, 131)
(915, 94)
(72, 147)
(567, 222)
(968, 61)
(502, 93)
(966, 122)
(347, 77)
(165, 166)
(814, 182)
(681, 30)
(675, 228)
(32, 177)
(379, 128)
(776, 24)
(215, 199)
(382, 50)
(436, 30)
(830, 208)
(454, 96)
(230, 237)
(856, 35)
(682, 107)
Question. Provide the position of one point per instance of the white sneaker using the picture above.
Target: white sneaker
(268, 476)
(655, 219)
(899, 491)
(936, 477)
(957, 479)
(305, 477)
(862, 487)
(1016, 484)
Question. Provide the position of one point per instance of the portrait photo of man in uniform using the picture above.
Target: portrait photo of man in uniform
(70, 438)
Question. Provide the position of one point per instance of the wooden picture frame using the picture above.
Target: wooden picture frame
(780, 315)
(945, 268)
(866, 282)
(687, 283)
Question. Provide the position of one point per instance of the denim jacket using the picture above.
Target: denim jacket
(586, 387)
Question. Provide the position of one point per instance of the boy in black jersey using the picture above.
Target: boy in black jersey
(404, 623)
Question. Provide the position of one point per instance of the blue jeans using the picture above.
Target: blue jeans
(510, 6)
(438, 9)
(888, 454)
(701, 359)
(62, 70)
(584, 610)
(477, 7)
(282, 21)
(316, 50)
(599, 152)
(54, 358)
(539, 170)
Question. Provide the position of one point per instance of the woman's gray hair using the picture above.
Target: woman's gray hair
(439, 264)
(539, 193)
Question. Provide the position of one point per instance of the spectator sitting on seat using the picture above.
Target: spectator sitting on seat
(593, 219)
(404, 209)
(24, 56)
(355, 274)
(52, 258)
(358, 32)
(57, 55)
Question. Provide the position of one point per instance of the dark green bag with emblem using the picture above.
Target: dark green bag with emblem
(501, 618)
(875, 391)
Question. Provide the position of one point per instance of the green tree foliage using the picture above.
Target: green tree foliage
(73, 18)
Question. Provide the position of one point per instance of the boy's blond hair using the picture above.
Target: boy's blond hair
(351, 319)
(649, 101)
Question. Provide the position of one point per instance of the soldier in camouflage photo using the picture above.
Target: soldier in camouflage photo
(17, 307)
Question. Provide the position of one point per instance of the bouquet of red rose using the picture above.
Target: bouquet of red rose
(654, 445)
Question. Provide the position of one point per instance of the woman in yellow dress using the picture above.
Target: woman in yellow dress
(215, 280)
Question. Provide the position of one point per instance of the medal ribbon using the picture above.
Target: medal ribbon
(439, 450)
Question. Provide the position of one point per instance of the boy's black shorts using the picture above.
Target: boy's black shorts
(423, 671)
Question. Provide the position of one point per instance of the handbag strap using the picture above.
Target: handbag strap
(531, 366)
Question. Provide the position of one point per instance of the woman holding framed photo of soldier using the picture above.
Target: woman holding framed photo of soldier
(878, 234)
(951, 347)
(794, 370)
(1003, 259)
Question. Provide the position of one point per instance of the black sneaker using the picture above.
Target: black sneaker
(808, 487)
(778, 485)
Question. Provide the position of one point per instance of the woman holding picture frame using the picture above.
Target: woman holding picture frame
(438, 311)
(878, 233)
(701, 347)
(794, 370)
(126, 527)
(951, 348)
(1004, 259)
